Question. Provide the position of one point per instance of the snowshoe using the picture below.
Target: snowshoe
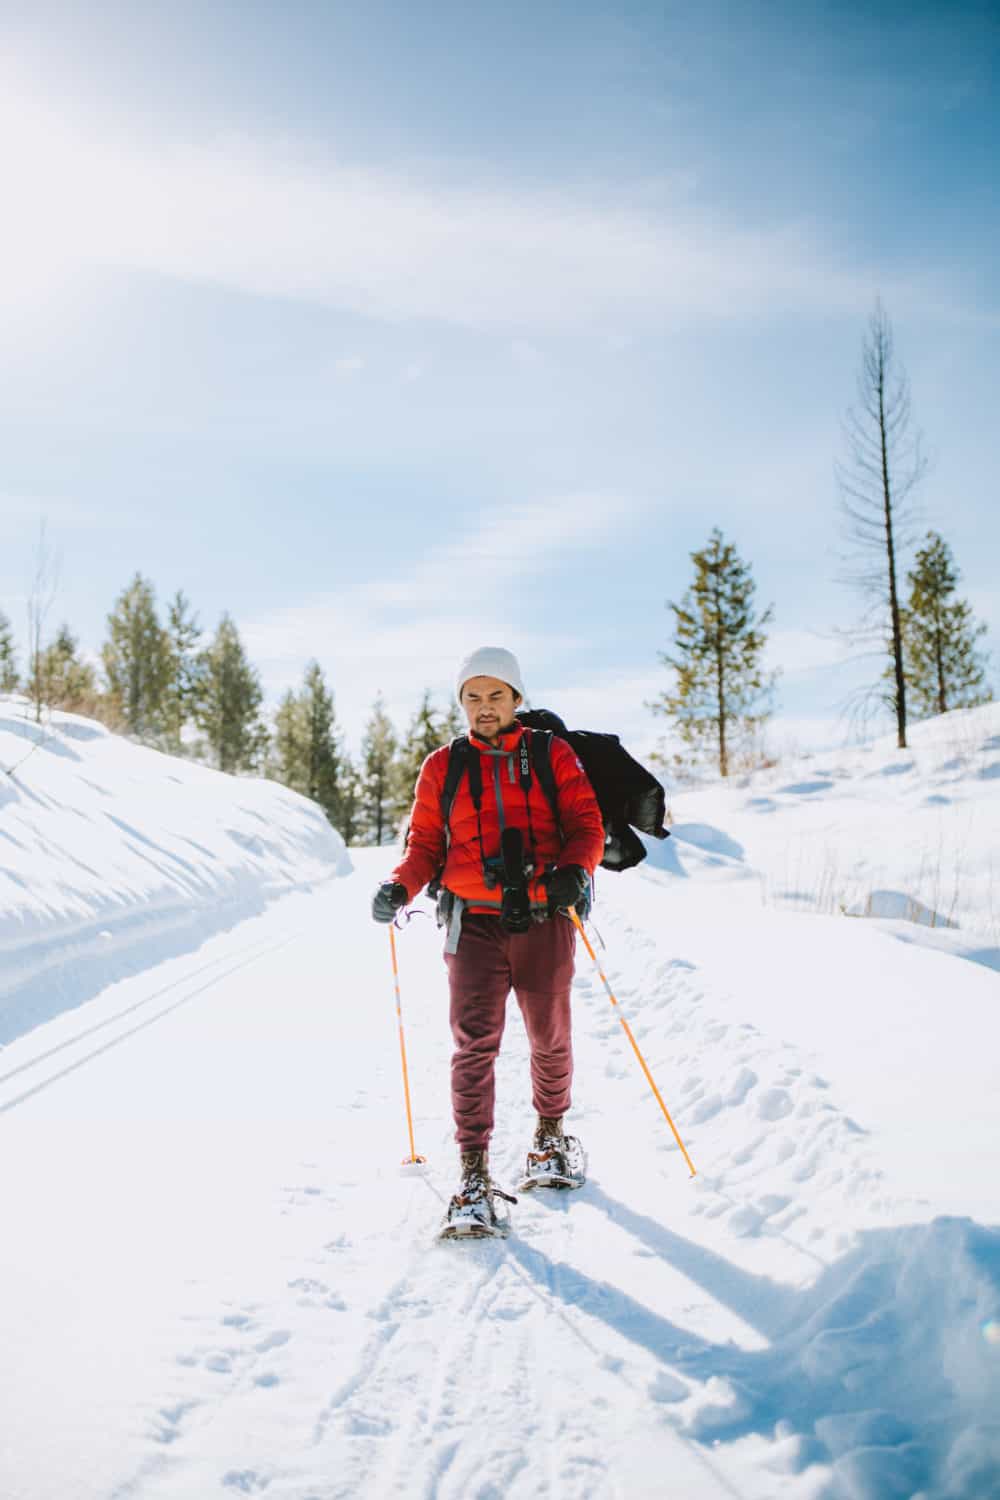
(555, 1161)
(473, 1213)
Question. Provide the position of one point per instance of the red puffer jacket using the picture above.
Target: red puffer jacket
(504, 805)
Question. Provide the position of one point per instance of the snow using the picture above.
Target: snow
(114, 856)
(218, 1280)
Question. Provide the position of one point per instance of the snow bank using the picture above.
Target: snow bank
(873, 831)
(885, 1373)
(114, 857)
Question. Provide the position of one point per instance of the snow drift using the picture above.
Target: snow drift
(113, 856)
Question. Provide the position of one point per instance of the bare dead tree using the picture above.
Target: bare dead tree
(883, 465)
(44, 587)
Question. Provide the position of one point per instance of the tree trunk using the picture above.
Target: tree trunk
(897, 633)
(720, 688)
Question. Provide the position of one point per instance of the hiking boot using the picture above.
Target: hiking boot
(556, 1160)
(472, 1212)
(549, 1133)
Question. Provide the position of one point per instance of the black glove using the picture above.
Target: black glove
(565, 886)
(387, 900)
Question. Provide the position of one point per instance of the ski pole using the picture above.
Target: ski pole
(413, 1160)
(574, 914)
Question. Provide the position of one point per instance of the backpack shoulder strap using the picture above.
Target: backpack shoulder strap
(460, 759)
(541, 759)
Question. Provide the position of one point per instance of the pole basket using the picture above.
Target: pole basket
(413, 1166)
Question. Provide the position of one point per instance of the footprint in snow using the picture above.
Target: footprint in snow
(220, 1363)
(316, 1294)
(274, 1340)
(245, 1481)
(707, 1109)
(745, 1222)
(171, 1419)
(745, 1080)
(237, 1320)
(774, 1104)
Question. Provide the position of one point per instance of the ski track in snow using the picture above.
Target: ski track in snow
(789, 1323)
(421, 1403)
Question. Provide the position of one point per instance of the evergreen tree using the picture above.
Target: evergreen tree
(137, 660)
(427, 732)
(350, 816)
(289, 759)
(454, 722)
(60, 679)
(305, 751)
(379, 773)
(324, 749)
(943, 668)
(721, 692)
(9, 679)
(183, 682)
(229, 701)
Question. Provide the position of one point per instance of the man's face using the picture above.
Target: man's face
(490, 705)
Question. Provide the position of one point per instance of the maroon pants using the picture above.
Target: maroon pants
(538, 966)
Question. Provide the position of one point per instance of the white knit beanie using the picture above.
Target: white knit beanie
(490, 661)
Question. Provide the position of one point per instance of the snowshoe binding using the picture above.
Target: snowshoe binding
(473, 1213)
(555, 1160)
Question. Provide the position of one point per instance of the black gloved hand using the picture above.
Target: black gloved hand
(565, 886)
(387, 900)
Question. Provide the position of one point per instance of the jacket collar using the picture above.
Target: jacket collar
(509, 740)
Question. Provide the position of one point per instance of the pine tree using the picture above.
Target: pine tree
(61, 679)
(722, 690)
(9, 680)
(324, 748)
(454, 722)
(183, 678)
(289, 758)
(381, 804)
(350, 815)
(943, 668)
(427, 732)
(305, 750)
(229, 701)
(137, 660)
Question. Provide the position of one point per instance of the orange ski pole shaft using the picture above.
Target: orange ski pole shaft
(574, 914)
(413, 1157)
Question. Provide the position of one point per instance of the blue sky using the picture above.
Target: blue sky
(399, 329)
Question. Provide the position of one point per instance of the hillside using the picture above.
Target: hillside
(114, 857)
(218, 1282)
(871, 830)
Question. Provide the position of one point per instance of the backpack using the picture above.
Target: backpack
(628, 795)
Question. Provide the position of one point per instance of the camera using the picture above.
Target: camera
(515, 907)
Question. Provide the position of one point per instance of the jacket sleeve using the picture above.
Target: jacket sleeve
(579, 812)
(426, 844)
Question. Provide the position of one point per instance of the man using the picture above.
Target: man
(485, 958)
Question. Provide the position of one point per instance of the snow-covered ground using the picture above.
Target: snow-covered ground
(113, 857)
(216, 1280)
(872, 830)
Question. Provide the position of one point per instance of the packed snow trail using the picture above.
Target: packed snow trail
(218, 1283)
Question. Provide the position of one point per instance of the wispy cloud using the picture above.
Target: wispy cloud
(407, 629)
(266, 218)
